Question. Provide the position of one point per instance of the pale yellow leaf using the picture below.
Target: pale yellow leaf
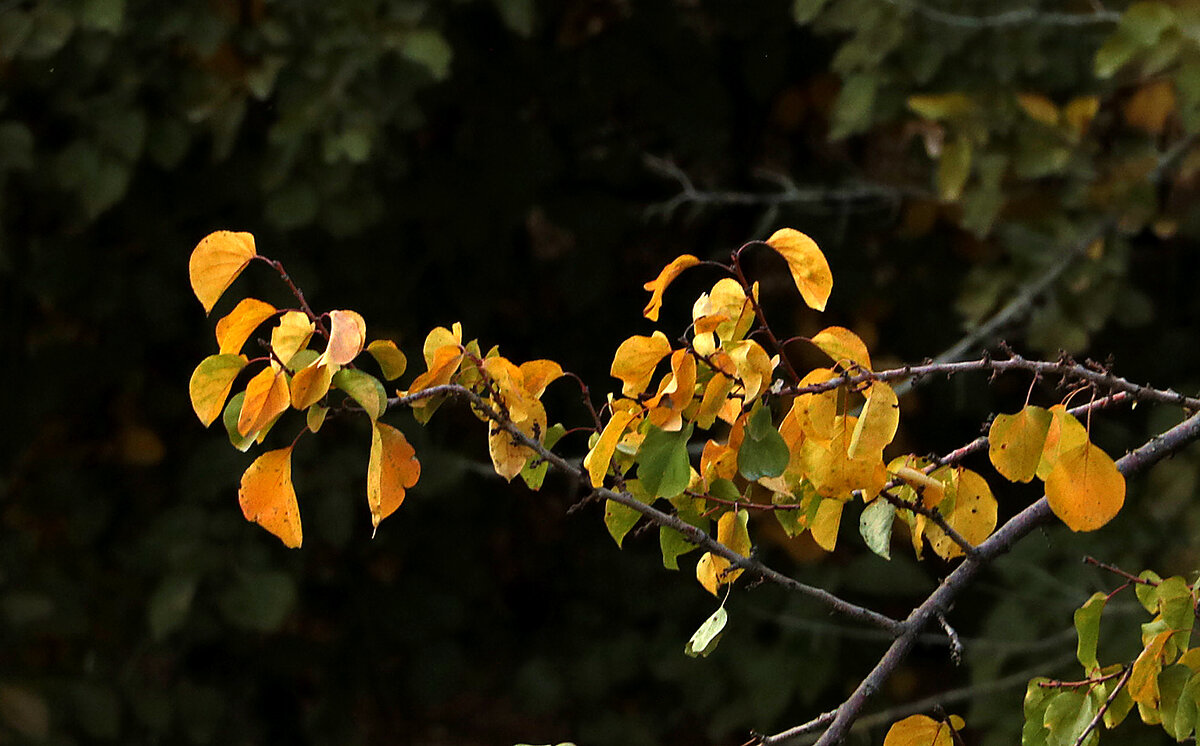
(216, 262)
(808, 266)
(291, 335)
(843, 345)
(347, 335)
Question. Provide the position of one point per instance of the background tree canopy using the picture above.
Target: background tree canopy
(524, 167)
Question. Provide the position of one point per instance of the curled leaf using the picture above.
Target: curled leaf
(364, 388)
(266, 398)
(808, 266)
(659, 284)
(216, 262)
(268, 498)
(705, 639)
(635, 360)
(347, 335)
(391, 469)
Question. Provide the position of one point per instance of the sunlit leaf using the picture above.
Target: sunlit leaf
(705, 639)
(1065, 433)
(511, 382)
(266, 398)
(919, 730)
(973, 514)
(659, 284)
(877, 423)
(236, 327)
(268, 499)
(1067, 714)
(291, 335)
(310, 384)
(1016, 441)
(598, 458)
(216, 262)
(510, 455)
(364, 388)
(620, 518)
(391, 360)
(211, 383)
(753, 365)
(843, 345)
(635, 360)
(1143, 680)
(538, 374)
(438, 338)
(392, 469)
(446, 361)
(1087, 630)
(347, 335)
(1085, 489)
(808, 266)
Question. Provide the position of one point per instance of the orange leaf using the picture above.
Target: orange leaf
(539, 374)
(443, 366)
(843, 346)
(236, 327)
(598, 458)
(291, 335)
(659, 284)
(347, 335)
(210, 385)
(1148, 108)
(310, 384)
(635, 360)
(268, 498)
(266, 398)
(1065, 433)
(809, 268)
(391, 470)
(1085, 489)
(216, 262)
(1015, 442)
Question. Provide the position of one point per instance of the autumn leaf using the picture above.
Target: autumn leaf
(713, 571)
(808, 266)
(877, 423)
(825, 524)
(291, 335)
(1065, 433)
(216, 262)
(509, 455)
(754, 366)
(364, 388)
(391, 360)
(347, 335)
(236, 327)
(1015, 442)
(511, 382)
(635, 360)
(268, 498)
(921, 730)
(598, 458)
(659, 284)
(539, 374)
(211, 383)
(1085, 489)
(1039, 108)
(391, 469)
(973, 515)
(310, 384)
(267, 397)
(843, 345)
(444, 365)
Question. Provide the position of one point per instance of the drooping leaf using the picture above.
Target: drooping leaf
(1143, 680)
(229, 418)
(268, 499)
(635, 360)
(877, 423)
(315, 417)
(364, 388)
(391, 470)
(216, 262)
(266, 398)
(843, 346)
(708, 571)
(662, 459)
(347, 335)
(310, 384)
(1087, 629)
(620, 518)
(763, 452)
(538, 374)
(391, 360)
(808, 266)
(291, 335)
(509, 454)
(1171, 683)
(1085, 489)
(1016, 441)
(600, 456)
(752, 364)
(236, 327)
(705, 639)
(825, 523)
(875, 526)
(919, 730)
(211, 383)
(1065, 433)
(659, 284)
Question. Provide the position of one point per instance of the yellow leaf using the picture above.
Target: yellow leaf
(391, 469)
(236, 327)
(718, 461)
(843, 346)
(438, 338)
(1148, 108)
(973, 516)
(709, 569)
(310, 384)
(1015, 442)
(268, 498)
(539, 374)
(266, 398)
(1065, 433)
(636, 359)
(211, 383)
(715, 391)
(1143, 680)
(919, 730)
(509, 456)
(877, 424)
(809, 269)
(732, 531)
(941, 105)
(1079, 113)
(444, 365)
(1085, 489)
(347, 335)
(597, 460)
(659, 284)
(826, 522)
(815, 412)
(216, 262)
(291, 335)
(1039, 108)
(392, 361)
(754, 366)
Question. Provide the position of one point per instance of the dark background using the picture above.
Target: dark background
(502, 164)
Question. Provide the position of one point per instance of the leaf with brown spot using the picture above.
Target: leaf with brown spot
(268, 498)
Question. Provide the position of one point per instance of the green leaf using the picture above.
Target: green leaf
(518, 15)
(662, 459)
(364, 388)
(428, 48)
(804, 11)
(618, 519)
(673, 544)
(763, 452)
(1114, 53)
(852, 111)
(534, 472)
(1145, 22)
(954, 167)
(1067, 715)
(233, 410)
(705, 640)
(1171, 685)
(314, 417)
(1087, 628)
(875, 525)
(1148, 594)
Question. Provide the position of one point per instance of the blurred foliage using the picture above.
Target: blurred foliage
(484, 161)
